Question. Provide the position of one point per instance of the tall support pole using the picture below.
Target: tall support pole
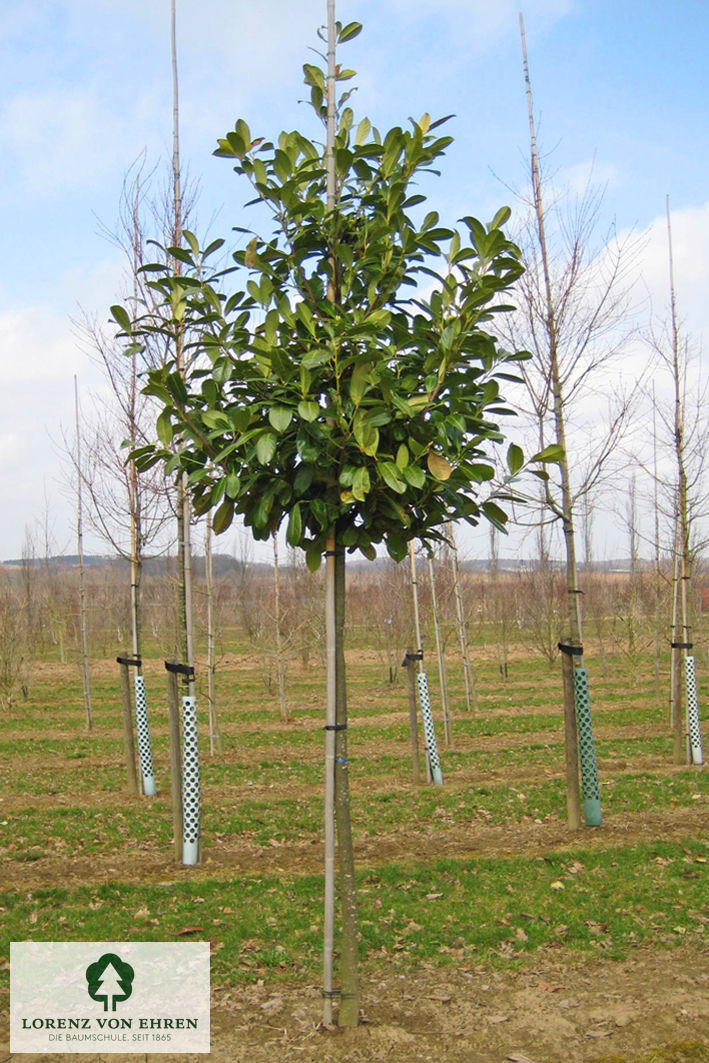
(439, 653)
(330, 586)
(215, 738)
(190, 848)
(330, 727)
(349, 942)
(470, 691)
(433, 764)
(80, 552)
(280, 670)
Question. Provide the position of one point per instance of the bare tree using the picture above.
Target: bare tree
(80, 554)
(574, 306)
(685, 426)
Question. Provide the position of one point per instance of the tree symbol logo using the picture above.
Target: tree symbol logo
(110, 979)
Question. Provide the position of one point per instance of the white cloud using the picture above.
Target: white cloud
(54, 140)
(582, 176)
(690, 238)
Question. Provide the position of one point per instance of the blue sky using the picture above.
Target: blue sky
(85, 89)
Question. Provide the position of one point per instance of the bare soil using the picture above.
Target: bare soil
(552, 1010)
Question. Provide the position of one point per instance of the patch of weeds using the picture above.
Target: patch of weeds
(677, 1052)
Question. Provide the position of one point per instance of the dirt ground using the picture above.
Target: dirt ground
(548, 1012)
(554, 1008)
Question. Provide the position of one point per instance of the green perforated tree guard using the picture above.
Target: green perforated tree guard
(587, 750)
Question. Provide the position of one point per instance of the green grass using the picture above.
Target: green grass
(505, 767)
(443, 911)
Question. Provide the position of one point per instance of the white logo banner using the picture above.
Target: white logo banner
(109, 996)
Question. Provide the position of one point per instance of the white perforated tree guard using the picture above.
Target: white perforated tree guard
(695, 736)
(145, 752)
(190, 782)
(429, 733)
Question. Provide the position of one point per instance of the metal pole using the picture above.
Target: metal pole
(330, 732)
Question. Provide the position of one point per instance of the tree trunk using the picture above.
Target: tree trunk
(681, 645)
(80, 551)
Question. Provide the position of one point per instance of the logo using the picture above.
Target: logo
(138, 997)
(110, 980)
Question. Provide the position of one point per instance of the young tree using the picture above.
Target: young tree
(324, 394)
(685, 425)
(574, 304)
(80, 555)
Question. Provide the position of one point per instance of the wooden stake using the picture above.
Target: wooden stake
(410, 666)
(173, 717)
(573, 792)
(128, 742)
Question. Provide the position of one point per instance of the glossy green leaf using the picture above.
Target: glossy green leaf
(496, 516)
(164, 427)
(552, 453)
(232, 485)
(308, 411)
(348, 32)
(280, 417)
(223, 516)
(294, 531)
(361, 484)
(367, 436)
(402, 457)
(313, 558)
(515, 458)
(266, 447)
(390, 476)
(121, 317)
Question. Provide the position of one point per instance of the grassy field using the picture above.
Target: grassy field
(476, 883)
